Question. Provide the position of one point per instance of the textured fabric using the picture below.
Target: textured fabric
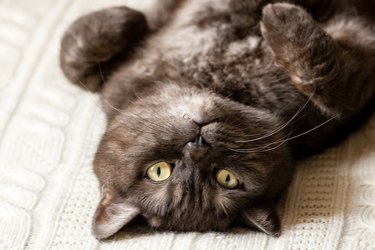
(50, 129)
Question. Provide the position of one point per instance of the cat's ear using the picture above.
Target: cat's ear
(263, 218)
(111, 215)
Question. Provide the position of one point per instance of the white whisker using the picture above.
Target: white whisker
(281, 142)
(282, 126)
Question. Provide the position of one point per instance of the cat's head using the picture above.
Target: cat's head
(186, 159)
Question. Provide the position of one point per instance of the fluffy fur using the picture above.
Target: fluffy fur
(263, 83)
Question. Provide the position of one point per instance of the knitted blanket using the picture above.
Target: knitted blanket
(49, 131)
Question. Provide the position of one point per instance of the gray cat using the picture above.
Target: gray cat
(210, 103)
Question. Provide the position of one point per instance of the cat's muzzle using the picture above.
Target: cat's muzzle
(197, 148)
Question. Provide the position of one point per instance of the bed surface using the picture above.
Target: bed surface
(49, 131)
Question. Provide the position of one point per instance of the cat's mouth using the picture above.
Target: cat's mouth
(200, 141)
(197, 148)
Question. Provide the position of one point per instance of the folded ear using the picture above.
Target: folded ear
(111, 215)
(263, 218)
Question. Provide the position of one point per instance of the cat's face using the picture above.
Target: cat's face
(189, 160)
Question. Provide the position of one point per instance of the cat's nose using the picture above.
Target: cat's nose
(200, 119)
(196, 149)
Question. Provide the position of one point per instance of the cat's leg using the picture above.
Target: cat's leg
(335, 66)
(90, 45)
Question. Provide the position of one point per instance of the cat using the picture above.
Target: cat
(211, 103)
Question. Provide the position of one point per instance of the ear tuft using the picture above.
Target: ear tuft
(264, 219)
(111, 215)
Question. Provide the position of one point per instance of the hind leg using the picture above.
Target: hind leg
(93, 40)
(335, 66)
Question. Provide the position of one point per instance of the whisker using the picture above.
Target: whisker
(281, 142)
(282, 126)
(264, 147)
(101, 73)
(308, 131)
(257, 151)
(97, 104)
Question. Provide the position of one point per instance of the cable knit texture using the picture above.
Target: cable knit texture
(50, 129)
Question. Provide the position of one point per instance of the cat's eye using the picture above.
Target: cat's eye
(159, 171)
(226, 179)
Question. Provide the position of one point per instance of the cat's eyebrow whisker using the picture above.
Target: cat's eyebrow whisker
(102, 98)
(145, 132)
(114, 108)
(98, 105)
(147, 124)
(169, 126)
(137, 130)
(101, 73)
(282, 126)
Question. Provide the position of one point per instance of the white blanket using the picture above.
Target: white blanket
(49, 131)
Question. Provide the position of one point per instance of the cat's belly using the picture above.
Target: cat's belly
(201, 39)
(225, 54)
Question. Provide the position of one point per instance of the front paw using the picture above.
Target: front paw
(96, 38)
(101, 34)
(300, 46)
(287, 29)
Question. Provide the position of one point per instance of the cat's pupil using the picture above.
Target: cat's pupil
(227, 179)
(158, 171)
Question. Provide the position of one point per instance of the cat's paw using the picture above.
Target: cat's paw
(96, 38)
(284, 22)
(103, 33)
(305, 51)
(287, 29)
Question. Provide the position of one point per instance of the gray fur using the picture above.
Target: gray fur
(263, 83)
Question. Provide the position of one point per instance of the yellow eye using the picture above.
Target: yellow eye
(226, 179)
(159, 171)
